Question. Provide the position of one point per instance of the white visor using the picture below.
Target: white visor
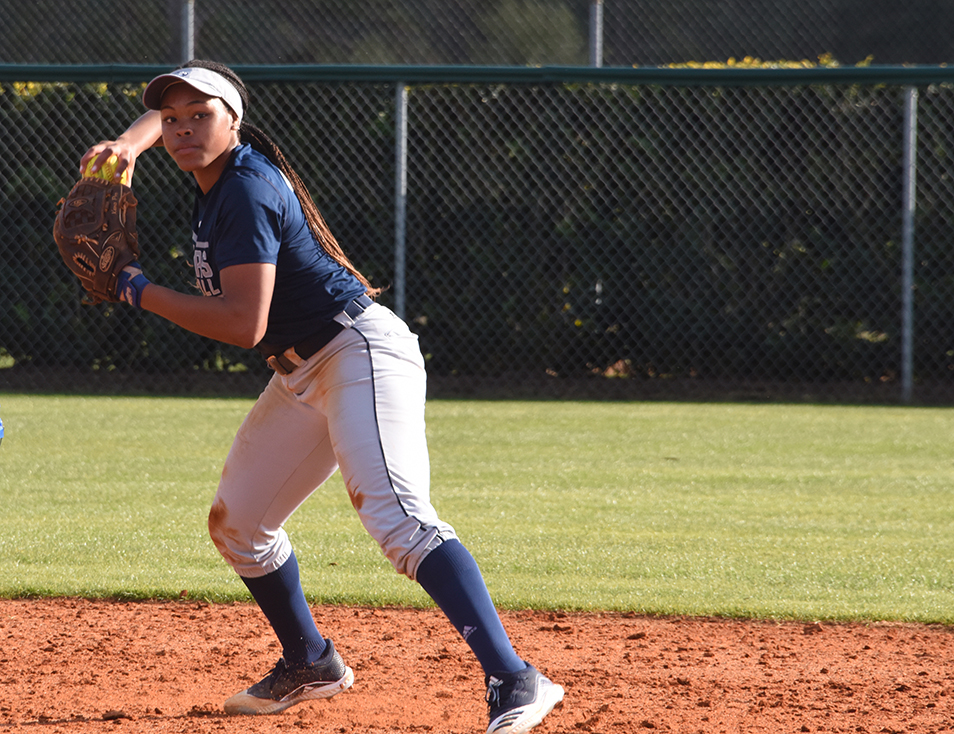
(204, 80)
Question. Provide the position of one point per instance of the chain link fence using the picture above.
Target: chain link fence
(489, 32)
(606, 239)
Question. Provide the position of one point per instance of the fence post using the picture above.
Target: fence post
(187, 49)
(400, 198)
(909, 196)
(596, 33)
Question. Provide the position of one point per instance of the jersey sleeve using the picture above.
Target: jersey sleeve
(248, 228)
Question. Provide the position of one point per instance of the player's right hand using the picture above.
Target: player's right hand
(100, 152)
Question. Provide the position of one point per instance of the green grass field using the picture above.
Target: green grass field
(778, 511)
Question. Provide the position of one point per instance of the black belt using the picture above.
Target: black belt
(285, 363)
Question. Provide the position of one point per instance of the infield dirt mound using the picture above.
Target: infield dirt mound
(73, 665)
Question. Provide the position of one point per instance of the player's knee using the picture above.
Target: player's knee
(407, 556)
(404, 563)
(249, 550)
(225, 538)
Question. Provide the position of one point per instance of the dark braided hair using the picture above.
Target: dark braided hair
(260, 141)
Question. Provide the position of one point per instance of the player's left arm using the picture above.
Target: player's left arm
(239, 315)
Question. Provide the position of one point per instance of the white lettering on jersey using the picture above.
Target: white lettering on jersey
(203, 271)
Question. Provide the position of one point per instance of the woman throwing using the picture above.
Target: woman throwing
(348, 391)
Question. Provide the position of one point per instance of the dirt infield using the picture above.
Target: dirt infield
(71, 665)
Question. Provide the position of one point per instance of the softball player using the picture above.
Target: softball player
(348, 391)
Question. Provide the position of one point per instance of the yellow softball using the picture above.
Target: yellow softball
(107, 170)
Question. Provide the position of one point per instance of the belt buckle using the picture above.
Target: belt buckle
(276, 365)
(286, 362)
(291, 356)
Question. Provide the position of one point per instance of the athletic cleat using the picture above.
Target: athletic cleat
(517, 702)
(284, 686)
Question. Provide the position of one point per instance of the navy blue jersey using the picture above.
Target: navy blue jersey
(252, 215)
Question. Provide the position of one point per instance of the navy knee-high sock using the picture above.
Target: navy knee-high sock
(282, 601)
(449, 574)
